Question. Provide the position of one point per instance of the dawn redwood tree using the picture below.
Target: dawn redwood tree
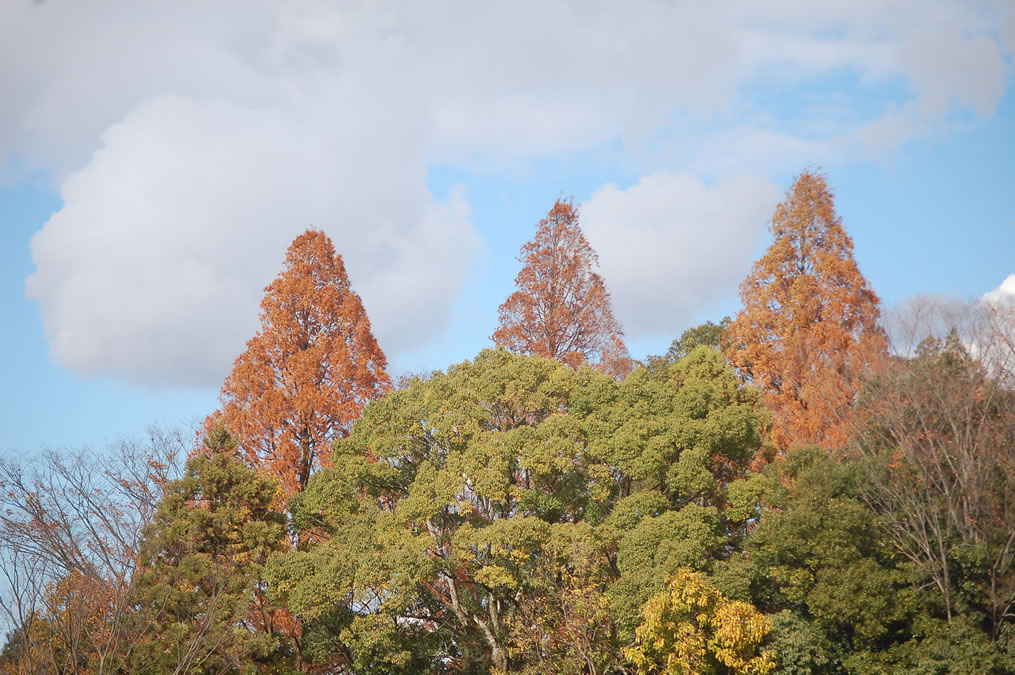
(562, 309)
(809, 323)
(310, 370)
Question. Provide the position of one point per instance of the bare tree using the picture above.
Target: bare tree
(19, 600)
(70, 527)
(938, 434)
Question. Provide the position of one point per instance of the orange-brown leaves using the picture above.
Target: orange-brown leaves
(308, 372)
(562, 309)
(809, 323)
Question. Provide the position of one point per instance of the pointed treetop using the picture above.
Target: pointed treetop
(561, 308)
(310, 370)
(809, 325)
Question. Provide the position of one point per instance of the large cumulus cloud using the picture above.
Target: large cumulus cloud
(153, 268)
(670, 246)
(192, 140)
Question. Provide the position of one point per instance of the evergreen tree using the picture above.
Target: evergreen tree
(200, 589)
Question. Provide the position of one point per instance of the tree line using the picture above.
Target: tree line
(784, 491)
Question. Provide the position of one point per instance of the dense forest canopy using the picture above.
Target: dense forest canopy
(781, 492)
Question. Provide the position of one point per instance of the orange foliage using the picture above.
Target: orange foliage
(562, 309)
(809, 325)
(308, 372)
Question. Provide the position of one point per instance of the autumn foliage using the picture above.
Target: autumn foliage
(692, 628)
(522, 514)
(308, 372)
(562, 309)
(944, 425)
(809, 323)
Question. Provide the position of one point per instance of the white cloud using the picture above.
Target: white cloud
(68, 70)
(192, 140)
(997, 336)
(522, 79)
(947, 69)
(1008, 30)
(1003, 294)
(670, 246)
(153, 268)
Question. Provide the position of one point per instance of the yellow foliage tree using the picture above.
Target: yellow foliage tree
(693, 628)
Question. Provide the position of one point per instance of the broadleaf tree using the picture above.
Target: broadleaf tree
(310, 370)
(809, 322)
(561, 308)
(692, 627)
(437, 509)
(478, 520)
(938, 434)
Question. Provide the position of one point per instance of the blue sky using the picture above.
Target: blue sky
(157, 158)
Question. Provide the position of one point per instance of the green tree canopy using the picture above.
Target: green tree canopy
(199, 588)
(504, 487)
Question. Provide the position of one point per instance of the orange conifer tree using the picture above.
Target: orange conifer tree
(562, 309)
(310, 370)
(809, 324)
